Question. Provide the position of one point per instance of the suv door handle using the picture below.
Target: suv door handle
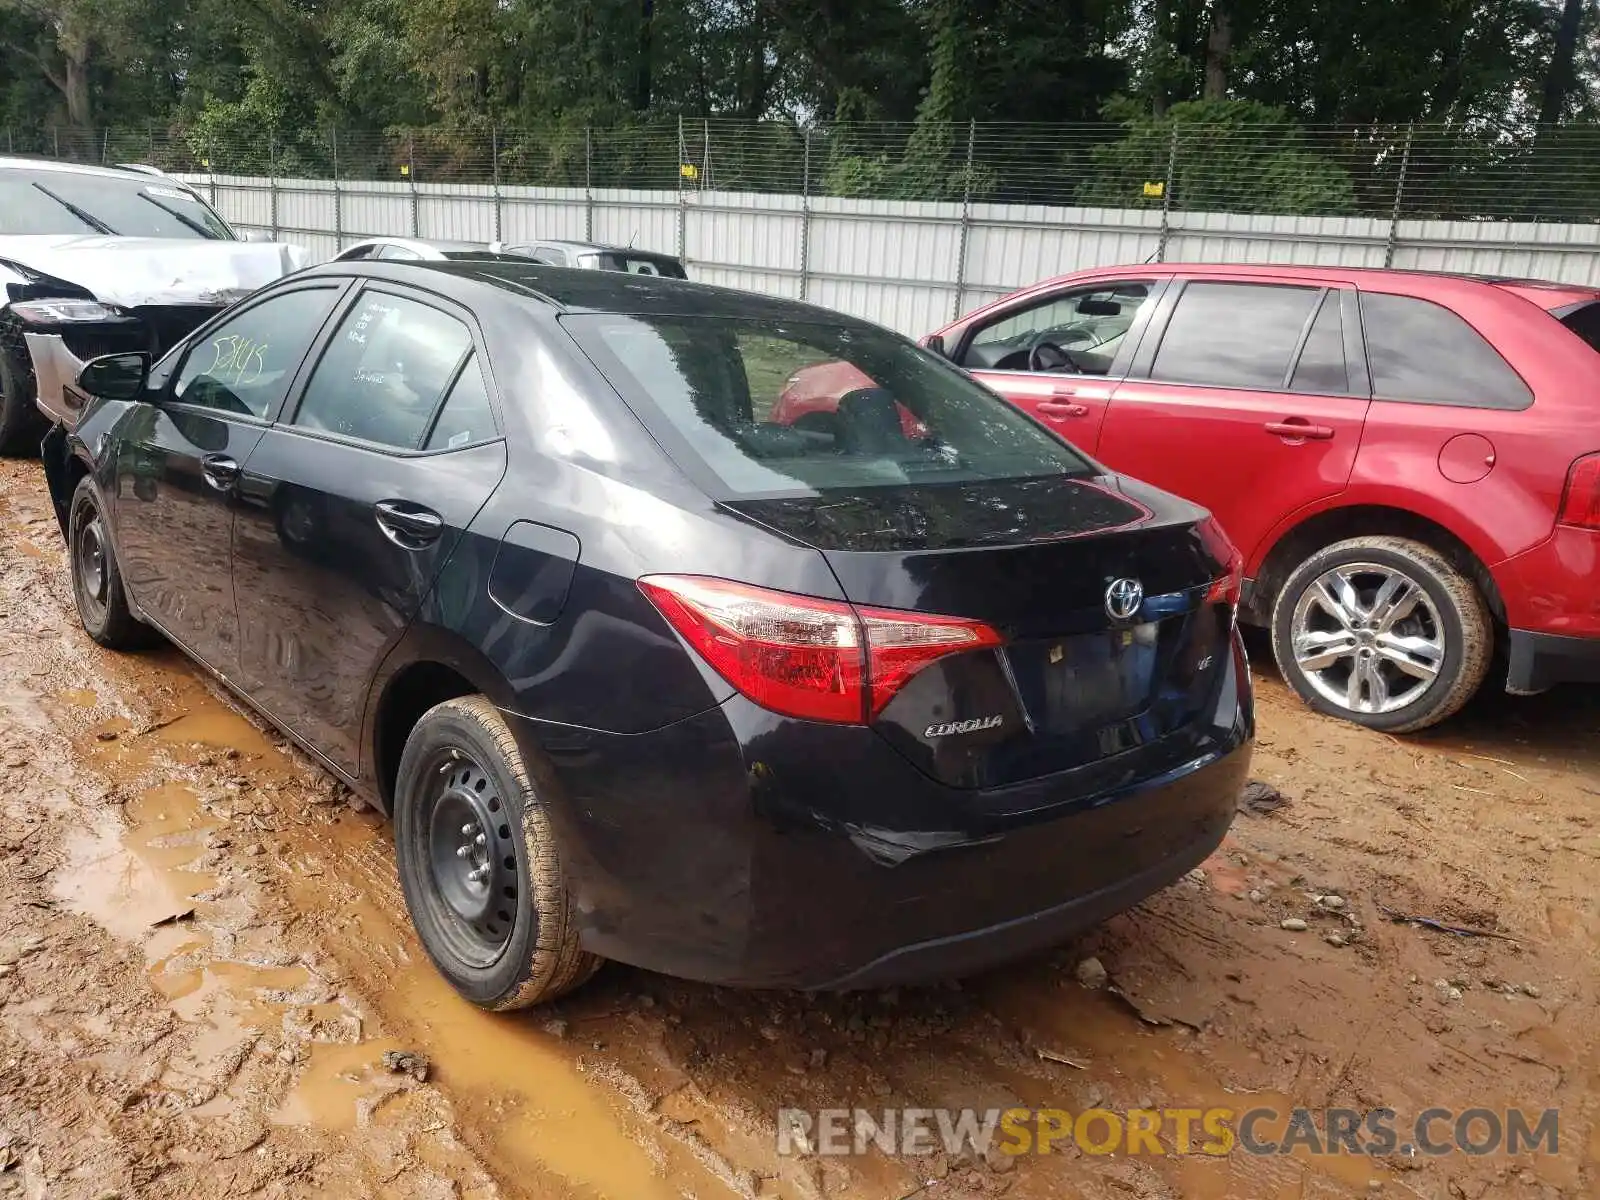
(1061, 408)
(220, 471)
(1300, 430)
(407, 525)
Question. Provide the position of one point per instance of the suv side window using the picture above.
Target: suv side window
(1086, 325)
(383, 374)
(1418, 350)
(1238, 335)
(1322, 369)
(550, 255)
(245, 365)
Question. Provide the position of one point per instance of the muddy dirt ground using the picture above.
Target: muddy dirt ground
(204, 960)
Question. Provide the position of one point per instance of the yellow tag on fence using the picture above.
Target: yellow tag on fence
(1156, 190)
(689, 171)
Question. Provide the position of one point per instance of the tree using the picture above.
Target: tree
(61, 50)
(1560, 79)
(1219, 45)
(1231, 155)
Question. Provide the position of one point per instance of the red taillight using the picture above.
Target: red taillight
(900, 644)
(1581, 504)
(1225, 589)
(805, 657)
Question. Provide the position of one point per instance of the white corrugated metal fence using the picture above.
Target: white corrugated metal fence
(911, 265)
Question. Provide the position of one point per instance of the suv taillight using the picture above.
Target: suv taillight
(1581, 504)
(824, 660)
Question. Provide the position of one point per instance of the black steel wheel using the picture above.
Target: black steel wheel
(472, 858)
(479, 864)
(96, 578)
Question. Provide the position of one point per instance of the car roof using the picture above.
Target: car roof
(572, 290)
(20, 163)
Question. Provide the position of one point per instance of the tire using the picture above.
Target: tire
(22, 425)
(1429, 642)
(509, 940)
(97, 585)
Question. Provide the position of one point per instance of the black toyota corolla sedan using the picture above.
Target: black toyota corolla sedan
(641, 674)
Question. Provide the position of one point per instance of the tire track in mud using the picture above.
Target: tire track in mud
(640, 1087)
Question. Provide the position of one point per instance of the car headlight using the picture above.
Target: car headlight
(64, 312)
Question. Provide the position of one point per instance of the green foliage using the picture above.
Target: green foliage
(476, 89)
(1227, 155)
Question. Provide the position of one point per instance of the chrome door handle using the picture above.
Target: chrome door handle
(409, 526)
(220, 471)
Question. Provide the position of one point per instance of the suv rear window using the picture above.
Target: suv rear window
(764, 409)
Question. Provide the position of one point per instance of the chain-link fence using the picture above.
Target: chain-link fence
(909, 225)
(1421, 171)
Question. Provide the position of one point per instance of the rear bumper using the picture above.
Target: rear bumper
(1539, 661)
(1554, 587)
(740, 847)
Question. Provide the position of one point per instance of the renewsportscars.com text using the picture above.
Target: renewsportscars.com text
(1209, 1131)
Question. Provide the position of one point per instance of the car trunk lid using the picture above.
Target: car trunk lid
(1104, 594)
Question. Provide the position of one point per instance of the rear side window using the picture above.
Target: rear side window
(1240, 335)
(382, 375)
(776, 408)
(1421, 351)
(466, 417)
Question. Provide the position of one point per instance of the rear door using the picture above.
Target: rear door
(352, 502)
(1058, 356)
(1248, 397)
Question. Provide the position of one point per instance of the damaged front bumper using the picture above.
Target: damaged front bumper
(56, 370)
(60, 353)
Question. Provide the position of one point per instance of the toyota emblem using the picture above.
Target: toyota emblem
(1124, 598)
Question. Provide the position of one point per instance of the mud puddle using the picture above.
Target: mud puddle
(531, 1098)
(239, 1048)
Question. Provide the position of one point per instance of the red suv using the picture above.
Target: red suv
(1409, 462)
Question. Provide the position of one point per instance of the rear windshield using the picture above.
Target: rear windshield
(639, 264)
(764, 409)
(51, 202)
(1585, 322)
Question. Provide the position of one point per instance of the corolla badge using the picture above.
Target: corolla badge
(976, 725)
(1124, 598)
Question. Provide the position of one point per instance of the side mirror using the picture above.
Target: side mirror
(255, 235)
(116, 376)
